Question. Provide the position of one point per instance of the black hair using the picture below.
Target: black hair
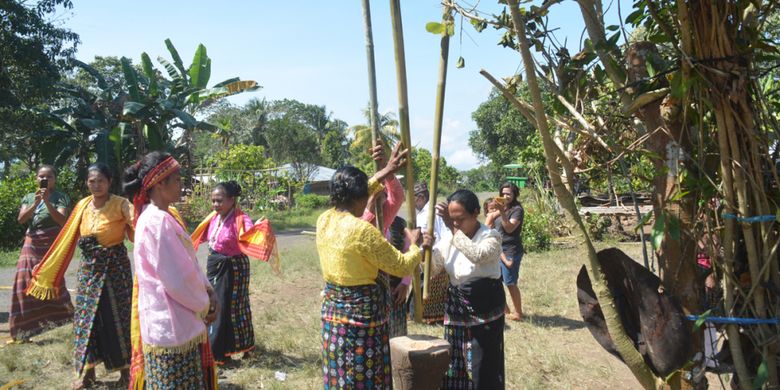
(49, 167)
(135, 174)
(348, 185)
(515, 193)
(467, 199)
(232, 188)
(102, 169)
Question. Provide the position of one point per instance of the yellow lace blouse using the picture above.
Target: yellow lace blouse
(108, 223)
(352, 251)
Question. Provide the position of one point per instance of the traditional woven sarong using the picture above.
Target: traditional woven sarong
(433, 307)
(103, 306)
(30, 316)
(186, 369)
(396, 319)
(232, 331)
(355, 342)
(474, 327)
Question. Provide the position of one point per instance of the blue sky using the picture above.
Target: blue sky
(315, 52)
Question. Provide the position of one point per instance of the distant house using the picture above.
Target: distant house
(318, 181)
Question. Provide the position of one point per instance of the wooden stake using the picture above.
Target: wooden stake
(437, 125)
(372, 107)
(406, 137)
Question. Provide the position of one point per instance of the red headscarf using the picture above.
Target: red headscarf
(164, 169)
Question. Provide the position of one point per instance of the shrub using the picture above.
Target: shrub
(537, 236)
(11, 193)
(597, 225)
(311, 201)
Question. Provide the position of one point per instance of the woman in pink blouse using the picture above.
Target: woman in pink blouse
(228, 271)
(173, 301)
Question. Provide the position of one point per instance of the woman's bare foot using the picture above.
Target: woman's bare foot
(86, 381)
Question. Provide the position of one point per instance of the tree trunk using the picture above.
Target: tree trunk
(623, 343)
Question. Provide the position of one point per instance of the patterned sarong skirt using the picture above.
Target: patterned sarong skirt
(103, 306)
(355, 342)
(474, 327)
(232, 332)
(185, 368)
(30, 316)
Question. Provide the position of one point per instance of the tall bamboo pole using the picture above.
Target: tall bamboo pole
(623, 344)
(406, 137)
(437, 125)
(372, 107)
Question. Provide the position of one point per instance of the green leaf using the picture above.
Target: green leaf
(131, 79)
(188, 120)
(612, 40)
(169, 68)
(643, 221)
(153, 138)
(762, 374)
(132, 108)
(460, 63)
(635, 17)
(434, 27)
(702, 318)
(102, 84)
(613, 28)
(176, 58)
(200, 70)
(673, 226)
(657, 234)
(478, 25)
(150, 73)
(650, 68)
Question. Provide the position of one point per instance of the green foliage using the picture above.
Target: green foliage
(485, 178)
(449, 177)
(597, 225)
(311, 201)
(11, 193)
(537, 236)
(503, 135)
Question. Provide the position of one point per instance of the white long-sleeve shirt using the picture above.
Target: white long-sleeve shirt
(467, 259)
(438, 223)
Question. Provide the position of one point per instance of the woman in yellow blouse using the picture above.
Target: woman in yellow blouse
(355, 341)
(98, 224)
(105, 282)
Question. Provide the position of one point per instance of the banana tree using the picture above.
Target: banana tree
(162, 110)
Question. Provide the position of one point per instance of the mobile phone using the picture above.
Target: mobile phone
(44, 183)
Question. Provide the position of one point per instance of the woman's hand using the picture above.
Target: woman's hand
(378, 154)
(213, 306)
(394, 164)
(400, 292)
(444, 213)
(413, 235)
(427, 241)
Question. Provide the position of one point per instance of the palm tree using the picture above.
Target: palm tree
(388, 132)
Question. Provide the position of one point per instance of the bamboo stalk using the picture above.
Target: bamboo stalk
(438, 118)
(406, 137)
(623, 344)
(372, 107)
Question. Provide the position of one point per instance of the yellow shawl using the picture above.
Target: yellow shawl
(47, 276)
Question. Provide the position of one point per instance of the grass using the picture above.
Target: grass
(550, 349)
(292, 219)
(8, 257)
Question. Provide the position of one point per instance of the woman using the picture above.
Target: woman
(391, 200)
(474, 312)
(44, 212)
(356, 351)
(228, 271)
(98, 225)
(173, 300)
(507, 219)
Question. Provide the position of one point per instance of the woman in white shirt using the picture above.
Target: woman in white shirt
(474, 311)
